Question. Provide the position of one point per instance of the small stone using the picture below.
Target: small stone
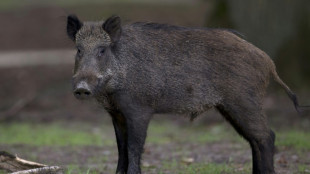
(146, 164)
(188, 160)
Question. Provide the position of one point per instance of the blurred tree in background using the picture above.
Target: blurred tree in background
(279, 27)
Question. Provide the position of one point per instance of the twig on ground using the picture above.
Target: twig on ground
(43, 170)
(17, 165)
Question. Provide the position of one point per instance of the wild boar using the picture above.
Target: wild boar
(140, 69)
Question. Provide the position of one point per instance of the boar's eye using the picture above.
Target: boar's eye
(101, 51)
(79, 51)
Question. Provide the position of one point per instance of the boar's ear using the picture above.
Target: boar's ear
(73, 26)
(113, 27)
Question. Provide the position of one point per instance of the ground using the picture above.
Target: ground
(83, 147)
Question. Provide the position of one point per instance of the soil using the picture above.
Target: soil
(104, 159)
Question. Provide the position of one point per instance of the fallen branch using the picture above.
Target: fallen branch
(43, 170)
(17, 165)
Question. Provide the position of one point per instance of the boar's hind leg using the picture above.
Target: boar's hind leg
(121, 139)
(251, 123)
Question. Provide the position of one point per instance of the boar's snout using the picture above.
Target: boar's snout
(82, 91)
(86, 85)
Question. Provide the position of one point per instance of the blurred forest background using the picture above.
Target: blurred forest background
(36, 62)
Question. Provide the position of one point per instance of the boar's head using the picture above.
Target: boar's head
(95, 61)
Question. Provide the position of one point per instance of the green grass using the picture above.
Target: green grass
(297, 139)
(161, 133)
(83, 134)
(73, 169)
(210, 168)
(3, 172)
(49, 134)
(57, 134)
(303, 168)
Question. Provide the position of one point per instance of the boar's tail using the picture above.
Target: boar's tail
(289, 92)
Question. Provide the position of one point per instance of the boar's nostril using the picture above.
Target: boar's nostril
(82, 93)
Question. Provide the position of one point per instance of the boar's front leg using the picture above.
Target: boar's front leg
(119, 124)
(137, 121)
(137, 130)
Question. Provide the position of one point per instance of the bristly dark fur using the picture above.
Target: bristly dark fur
(157, 26)
(169, 27)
